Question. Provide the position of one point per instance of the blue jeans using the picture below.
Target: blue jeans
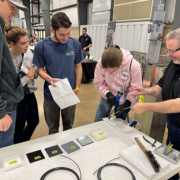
(103, 110)
(7, 138)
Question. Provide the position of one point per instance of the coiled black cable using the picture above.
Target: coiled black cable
(43, 177)
(117, 165)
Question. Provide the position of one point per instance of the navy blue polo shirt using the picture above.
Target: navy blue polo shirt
(58, 59)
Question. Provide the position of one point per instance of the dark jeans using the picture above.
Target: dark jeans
(174, 138)
(52, 116)
(27, 118)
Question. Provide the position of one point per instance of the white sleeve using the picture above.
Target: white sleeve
(27, 61)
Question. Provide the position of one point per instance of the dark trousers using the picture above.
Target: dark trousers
(52, 116)
(27, 118)
(174, 138)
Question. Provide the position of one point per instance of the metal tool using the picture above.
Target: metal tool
(151, 158)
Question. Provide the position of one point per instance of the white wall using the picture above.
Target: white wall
(133, 36)
(101, 11)
(100, 17)
(101, 5)
(60, 3)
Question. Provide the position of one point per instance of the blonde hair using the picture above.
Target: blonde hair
(175, 34)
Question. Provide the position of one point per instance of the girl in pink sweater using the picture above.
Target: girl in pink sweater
(117, 73)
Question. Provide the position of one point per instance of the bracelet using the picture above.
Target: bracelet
(77, 89)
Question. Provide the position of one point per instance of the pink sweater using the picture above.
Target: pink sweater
(120, 79)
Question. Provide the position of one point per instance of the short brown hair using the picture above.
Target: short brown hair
(60, 20)
(14, 33)
(85, 29)
(111, 58)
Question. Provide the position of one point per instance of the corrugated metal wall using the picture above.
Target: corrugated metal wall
(60, 4)
(101, 11)
(133, 36)
(132, 9)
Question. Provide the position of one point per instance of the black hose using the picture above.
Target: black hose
(43, 177)
(117, 165)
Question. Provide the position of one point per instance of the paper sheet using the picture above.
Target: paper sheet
(63, 94)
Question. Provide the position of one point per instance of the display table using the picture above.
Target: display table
(116, 140)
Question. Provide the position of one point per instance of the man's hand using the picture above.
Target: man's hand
(76, 90)
(139, 108)
(146, 83)
(141, 91)
(53, 81)
(5, 123)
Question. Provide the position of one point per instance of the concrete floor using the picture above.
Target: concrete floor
(85, 112)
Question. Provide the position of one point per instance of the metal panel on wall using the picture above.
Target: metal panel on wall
(170, 11)
(101, 17)
(60, 4)
(101, 5)
(101, 11)
(133, 36)
(132, 10)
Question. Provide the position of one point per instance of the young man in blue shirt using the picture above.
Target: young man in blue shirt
(59, 57)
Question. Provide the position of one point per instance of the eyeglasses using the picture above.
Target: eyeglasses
(172, 50)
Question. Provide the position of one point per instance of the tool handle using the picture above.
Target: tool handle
(149, 156)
